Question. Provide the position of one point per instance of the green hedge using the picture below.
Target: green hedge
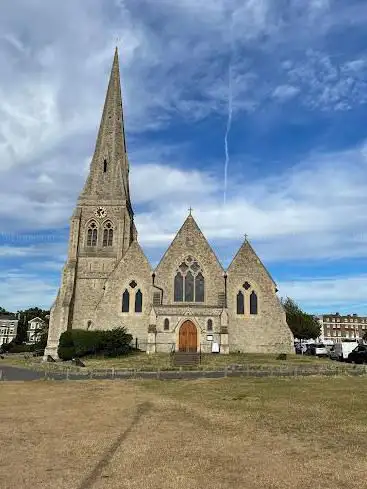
(15, 348)
(79, 343)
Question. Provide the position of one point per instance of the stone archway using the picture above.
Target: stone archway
(188, 337)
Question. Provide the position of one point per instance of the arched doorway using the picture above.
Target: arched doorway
(188, 337)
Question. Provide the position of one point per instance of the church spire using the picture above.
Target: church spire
(108, 177)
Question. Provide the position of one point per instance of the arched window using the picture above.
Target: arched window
(178, 288)
(107, 234)
(199, 287)
(189, 282)
(240, 303)
(253, 303)
(92, 234)
(189, 287)
(166, 324)
(104, 165)
(138, 301)
(210, 325)
(125, 301)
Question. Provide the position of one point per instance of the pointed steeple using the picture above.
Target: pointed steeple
(108, 177)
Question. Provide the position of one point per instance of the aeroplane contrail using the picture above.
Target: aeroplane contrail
(230, 112)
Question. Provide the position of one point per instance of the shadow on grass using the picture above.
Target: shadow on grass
(96, 472)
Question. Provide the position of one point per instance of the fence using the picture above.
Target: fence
(74, 373)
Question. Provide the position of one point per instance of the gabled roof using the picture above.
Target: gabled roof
(247, 249)
(36, 319)
(189, 225)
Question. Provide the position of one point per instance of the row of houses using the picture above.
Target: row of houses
(333, 328)
(9, 327)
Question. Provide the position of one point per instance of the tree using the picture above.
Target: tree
(25, 316)
(4, 311)
(303, 326)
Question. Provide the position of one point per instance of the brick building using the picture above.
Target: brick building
(335, 327)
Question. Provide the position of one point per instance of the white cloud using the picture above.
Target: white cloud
(340, 293)
(21, 290)
(285, 92)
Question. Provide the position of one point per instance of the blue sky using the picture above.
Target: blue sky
(293, 72)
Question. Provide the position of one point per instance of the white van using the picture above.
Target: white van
(342, 350)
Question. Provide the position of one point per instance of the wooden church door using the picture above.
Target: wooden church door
(187, 337)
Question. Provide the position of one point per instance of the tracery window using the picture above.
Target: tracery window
(247, 300)
(92, 234)
(189, 282)
(107, 234)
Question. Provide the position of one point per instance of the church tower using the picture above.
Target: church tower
(102, 225)
(188, 303)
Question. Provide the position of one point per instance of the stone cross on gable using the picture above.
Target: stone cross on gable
(190, 210)
(246, 235)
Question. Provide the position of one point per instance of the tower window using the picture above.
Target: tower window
(104, 165)
(166, 324)
(92, 234)
(107, 234)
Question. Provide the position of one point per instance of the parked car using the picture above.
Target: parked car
(333, 354)
(342, 350)
(358, 355)
(317, 349)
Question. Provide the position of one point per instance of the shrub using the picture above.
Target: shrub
(79, 343)
(282, 356)
(13, 347)
(115, 342)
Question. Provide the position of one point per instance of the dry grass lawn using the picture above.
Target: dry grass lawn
(227, 433)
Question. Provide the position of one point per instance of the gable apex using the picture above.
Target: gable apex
(191, 232)
(246, 250)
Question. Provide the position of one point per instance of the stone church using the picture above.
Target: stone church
(189, 302)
